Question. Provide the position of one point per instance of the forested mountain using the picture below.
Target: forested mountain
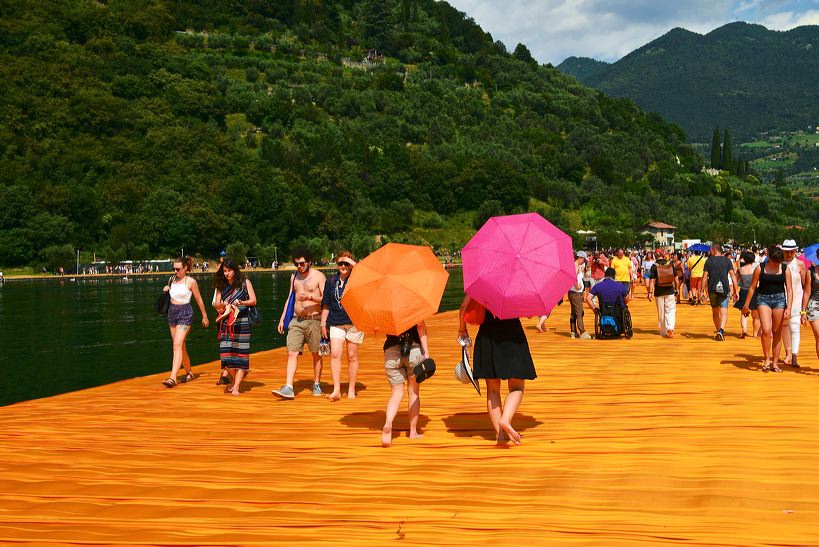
(581, 68)
(741, 76)
(135, 127)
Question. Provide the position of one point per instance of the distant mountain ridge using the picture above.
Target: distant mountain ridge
(742, 76)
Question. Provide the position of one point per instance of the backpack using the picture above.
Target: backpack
(665, 275)
(608, 325)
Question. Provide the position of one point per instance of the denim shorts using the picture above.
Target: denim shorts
(776, 301)
(716, 302)
(813, 310)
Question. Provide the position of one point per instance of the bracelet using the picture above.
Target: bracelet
(803, 312)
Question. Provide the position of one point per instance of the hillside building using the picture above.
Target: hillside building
(661, 232)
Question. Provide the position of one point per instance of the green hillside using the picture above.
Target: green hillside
(741, 76)
(132, 128)
(581, 68)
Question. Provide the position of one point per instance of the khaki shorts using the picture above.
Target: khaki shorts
(304, 331)
(396, 367)
(346, 332)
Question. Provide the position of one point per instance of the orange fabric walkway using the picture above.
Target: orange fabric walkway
(625, 442)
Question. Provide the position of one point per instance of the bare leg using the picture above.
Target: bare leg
(776, 329)
(494, 408)
(393, 404)
(239, 374)
(336, 346)
(786, 341)
(186, 359)
(814, 325)
(510, 407)
(413, 407)
(352, 368)
(767, 334)
(757, 323)
(317, 366)
(292, 364)
(178, 334)
(743, 324)
(542, 323)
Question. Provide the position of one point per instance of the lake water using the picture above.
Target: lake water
(60, 336)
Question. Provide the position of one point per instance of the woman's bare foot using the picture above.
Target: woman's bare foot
(541, 326)
(788, 358)
(333, 396)
(351, 395)
(416, 435)
(386, 436)
(502, 438)
(507, 428)
(235, 392)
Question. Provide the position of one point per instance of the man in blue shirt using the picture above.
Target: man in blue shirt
(609, 293)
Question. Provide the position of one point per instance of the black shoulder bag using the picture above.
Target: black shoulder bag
(253, 315)
(163, 301)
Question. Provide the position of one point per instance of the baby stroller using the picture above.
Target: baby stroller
(612, 321)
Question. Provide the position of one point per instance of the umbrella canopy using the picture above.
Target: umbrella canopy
(394, 288)
(700, 248)
(518, 265)
(810, 253)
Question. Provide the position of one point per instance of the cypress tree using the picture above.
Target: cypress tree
(715, 150)
(727, 160)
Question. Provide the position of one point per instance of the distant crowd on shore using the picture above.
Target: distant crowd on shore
(774, 290)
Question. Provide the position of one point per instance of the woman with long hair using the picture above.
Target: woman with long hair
(772, 283)
(180, 316)
(746, 275)
(234, 294)
(338, 327)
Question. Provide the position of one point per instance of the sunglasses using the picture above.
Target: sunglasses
(302, 263)
(177, 269)
(345, 265)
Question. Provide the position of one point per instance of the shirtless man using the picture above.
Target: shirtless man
(308, 284)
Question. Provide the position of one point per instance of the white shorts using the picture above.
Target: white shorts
(346, 332)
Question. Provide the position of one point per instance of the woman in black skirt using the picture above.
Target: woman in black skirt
(501, 353)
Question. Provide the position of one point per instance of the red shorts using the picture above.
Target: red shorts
(695, 283)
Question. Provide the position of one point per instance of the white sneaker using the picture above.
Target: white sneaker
(585, 336)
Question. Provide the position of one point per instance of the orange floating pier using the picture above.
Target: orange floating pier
(647, 441)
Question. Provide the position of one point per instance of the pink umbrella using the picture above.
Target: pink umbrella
(518, 265)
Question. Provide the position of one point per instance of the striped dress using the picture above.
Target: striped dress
(234, 341)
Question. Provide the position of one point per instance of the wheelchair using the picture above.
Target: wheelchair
(612, 321)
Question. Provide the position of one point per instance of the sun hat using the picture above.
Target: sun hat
(463, 372)
(582, 254)
(789, 245)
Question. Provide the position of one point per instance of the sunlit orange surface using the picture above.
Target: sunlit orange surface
(624, 442)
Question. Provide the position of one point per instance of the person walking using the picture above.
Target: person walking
(715, 279)
(401, 354)
(745, 272)
(810, 301)
(696, 264)
(234, 294)
(791, 334)
(663, 283)
(648, 263)
(180, 317)
(305, 327)
(576, 327)
(501, 353)
(338, 327)
(623, 268)
(772, 281)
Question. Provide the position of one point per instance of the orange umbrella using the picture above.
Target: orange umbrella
(394, 288)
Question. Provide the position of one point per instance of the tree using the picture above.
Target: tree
(522, 53)
(727, 159)
(489, 208)
(237, 251)
(716, 149)
(55, 256)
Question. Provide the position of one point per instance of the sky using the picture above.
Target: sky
(609, 29)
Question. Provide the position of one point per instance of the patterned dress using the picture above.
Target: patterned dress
(234, 340)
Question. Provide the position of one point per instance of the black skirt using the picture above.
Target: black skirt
(501, 350)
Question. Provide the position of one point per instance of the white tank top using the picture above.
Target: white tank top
(180, 292)
(796, 284)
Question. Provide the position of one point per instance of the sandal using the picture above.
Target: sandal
(775, 368)
(766, 367)
(188, 378)
(223, 381)
(170, 382)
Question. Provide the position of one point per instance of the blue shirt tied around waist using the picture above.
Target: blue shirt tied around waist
(333, 291)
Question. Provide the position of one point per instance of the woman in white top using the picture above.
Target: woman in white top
(180, 316)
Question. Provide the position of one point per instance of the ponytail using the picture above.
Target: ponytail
(186, 261)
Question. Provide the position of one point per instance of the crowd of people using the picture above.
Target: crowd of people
(774, 291)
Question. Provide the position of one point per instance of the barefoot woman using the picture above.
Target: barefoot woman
(180, 316)
(234, 295)
(501, 353)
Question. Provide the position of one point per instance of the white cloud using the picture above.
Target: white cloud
(610, 29)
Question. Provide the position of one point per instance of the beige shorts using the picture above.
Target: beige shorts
(397, 368)
(346, 332)
(303, 331)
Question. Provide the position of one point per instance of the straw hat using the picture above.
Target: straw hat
(463, 372)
